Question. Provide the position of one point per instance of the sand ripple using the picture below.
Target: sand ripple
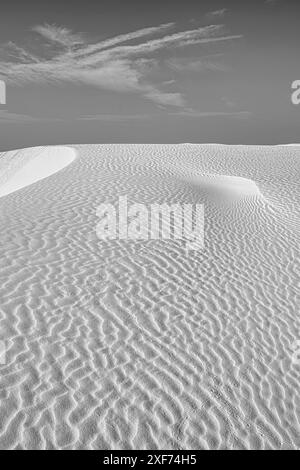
(122, 345)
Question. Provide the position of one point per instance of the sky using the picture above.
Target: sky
(165, 71)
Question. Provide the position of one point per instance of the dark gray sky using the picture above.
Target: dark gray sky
(158, 71)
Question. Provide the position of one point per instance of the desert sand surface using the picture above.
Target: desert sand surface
(122, 344)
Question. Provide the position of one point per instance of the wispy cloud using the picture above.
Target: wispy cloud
(8, 117)
(59, 35)
(122, 63)
(123, 38)
(115, 117)
(198, 114)
(190, 113)
(216, 13)
(193, 64)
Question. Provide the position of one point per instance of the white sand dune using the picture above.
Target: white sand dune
(36, 164)
(119, 344)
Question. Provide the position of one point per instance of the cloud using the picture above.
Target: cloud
(6, 116)
(166, 99)
(192, 64)
(216, 13)
(11, 51)
(115, 117)
(204, 35)
(122, 63)
(140, 33)
(59, 35)
(198, 114)
(190, 113)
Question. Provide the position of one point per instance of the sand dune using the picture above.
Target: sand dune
(123, 344)
(31, 166)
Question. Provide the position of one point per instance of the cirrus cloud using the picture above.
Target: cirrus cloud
(122, 63)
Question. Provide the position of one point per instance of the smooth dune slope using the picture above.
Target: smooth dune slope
(20, 169)
(123, 344)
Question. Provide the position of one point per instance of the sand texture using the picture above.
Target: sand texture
(123, 344)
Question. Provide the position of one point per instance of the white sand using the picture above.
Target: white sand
(39, 165)
(122, 344)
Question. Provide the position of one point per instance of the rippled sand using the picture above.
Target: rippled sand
(145, 345)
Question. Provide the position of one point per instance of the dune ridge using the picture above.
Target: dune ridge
(143, 345)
